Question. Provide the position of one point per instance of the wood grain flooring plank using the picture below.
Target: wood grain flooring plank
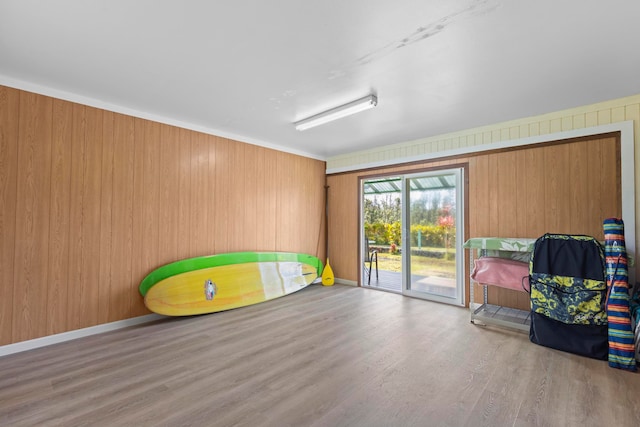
(323, 356)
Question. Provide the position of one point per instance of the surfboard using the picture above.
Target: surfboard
(225, 281)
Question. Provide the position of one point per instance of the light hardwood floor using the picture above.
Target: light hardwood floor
(324, 356)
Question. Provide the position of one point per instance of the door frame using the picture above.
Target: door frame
(464, 167)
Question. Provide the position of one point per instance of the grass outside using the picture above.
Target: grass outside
(421, 265)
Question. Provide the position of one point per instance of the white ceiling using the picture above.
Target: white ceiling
(247, 69)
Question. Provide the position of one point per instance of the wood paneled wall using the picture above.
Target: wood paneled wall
(91, 201)
(564, 187)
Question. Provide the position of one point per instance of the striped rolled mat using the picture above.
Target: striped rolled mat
(621, 337)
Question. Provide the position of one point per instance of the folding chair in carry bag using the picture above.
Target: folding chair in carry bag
(568, 295)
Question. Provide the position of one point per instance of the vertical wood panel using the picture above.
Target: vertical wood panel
(610, 178)
(565, 188)
(507, 191)
(617, 114)
(604, 117)
(76, 220)
(578, 171)
(9, 118)
(285, 203)
(307, 197)
(301, 204)
(343, 226)
(534, 187)
(168, 209)
(482, 206)
(591, 119)
(316, 207)
(552, 186)
(237, 199)
(223, 178)
(32, 217)
(250, 165)
(506, 188)
(150, 205)
(260, 194)
(472, 192)
(106, 218)
(555, 125)
(269, 200)
(91, 190)
(522, 193)
(57, 289)
(122, 289)
(593, 180)
(544, 127)
(632, 112)
(183, 198)
(481, 176)
(213, 209)
(84, 250)
(199, 209)
(281, 209)
(138, 271)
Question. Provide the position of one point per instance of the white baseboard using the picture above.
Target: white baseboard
(18, 347)
(339, 282)
(346, 282)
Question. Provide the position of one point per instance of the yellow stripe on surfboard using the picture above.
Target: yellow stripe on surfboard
(228, 286)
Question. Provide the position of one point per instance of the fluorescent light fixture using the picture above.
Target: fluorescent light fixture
(337, 113)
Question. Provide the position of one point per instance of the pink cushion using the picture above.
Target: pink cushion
(505, 273)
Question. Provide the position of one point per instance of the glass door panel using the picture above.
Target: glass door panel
(432, 236)
(381, 233)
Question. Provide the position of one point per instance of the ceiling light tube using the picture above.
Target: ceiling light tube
(337, 113)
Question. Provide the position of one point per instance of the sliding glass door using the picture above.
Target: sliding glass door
(412, 235)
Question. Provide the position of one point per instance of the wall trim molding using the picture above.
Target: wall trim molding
(78, 333)
(625, 128)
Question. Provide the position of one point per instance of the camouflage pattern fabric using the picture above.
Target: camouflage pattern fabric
(571, 300)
